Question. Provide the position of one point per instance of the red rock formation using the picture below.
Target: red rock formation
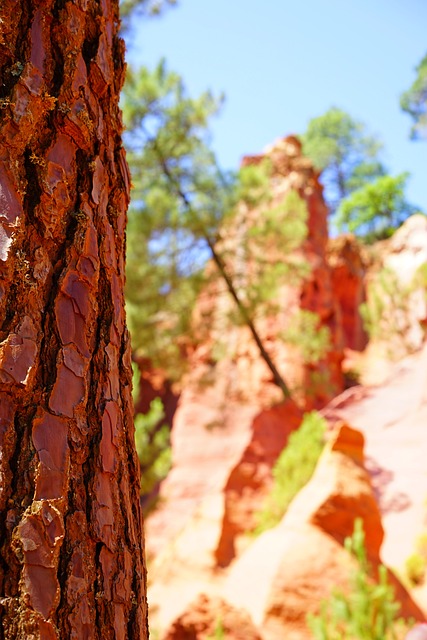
(250, 479)
(221, 399)
(208, 617)
(154, 384)
(348, 271)
(299, 562)
(231, 422)
(392, 417)
(341, 491)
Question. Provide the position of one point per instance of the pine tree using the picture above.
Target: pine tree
(363, 196)
(182, 207)
(414, 101)
(72, 548)
(347, 155)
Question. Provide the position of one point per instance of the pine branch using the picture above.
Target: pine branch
(277, 378)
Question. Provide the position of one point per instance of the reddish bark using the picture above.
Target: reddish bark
(71, 562)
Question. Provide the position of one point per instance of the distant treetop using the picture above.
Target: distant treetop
(414, 101)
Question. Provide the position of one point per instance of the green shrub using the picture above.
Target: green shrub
(368, 611)
(153, 446)
(387, 314)
(152, 441)
(219, 633)
(415, 568)
(306, 332)
(416, 564)
(293, 469)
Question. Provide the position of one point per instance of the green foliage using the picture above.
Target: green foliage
(182, 210)
(254, 184)
(364, 197)
(152, 446)
(143, 7)
(377, 208)
(305, 332)
(415, 568)
(347, 156)
(293, 469)
(136, 381)
(368, 611)
(169, 157)
(414, 101)
(387, 312)
(151, 440)
(420, 277)
(416, 563)
(219, 633)
(270, 251)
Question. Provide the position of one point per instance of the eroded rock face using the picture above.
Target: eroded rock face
(208, 617)
(348, 271)
(225, 398)
(250, 480)
(299, 562)
(407, 248)
(393, 277)
(340, 491)
(154, 384)
(291, 171)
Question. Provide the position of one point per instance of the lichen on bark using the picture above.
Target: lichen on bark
(71, 542)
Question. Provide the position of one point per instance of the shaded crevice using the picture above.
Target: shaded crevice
(90, 49)
(57, 7)
(13, 59)
(62, 571)
(21, 487)
(57, 53)
(58, 72)
(33, 191)
(10, 311)
(51, 344)
(83, 184)
(100, 619)
(22, 484)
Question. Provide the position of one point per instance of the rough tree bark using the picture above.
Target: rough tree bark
(71, 558)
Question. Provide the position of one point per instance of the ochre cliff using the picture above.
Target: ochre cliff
(225, 400)
(231, 424)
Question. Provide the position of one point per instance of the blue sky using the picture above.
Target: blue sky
(283, 62)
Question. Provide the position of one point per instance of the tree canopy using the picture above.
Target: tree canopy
(363, 196)
(414, 101)
(347, 155)
(178, 198)
(182, 204)
(144, 7)
(377, 208)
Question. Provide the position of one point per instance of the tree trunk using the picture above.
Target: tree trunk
(71, 559)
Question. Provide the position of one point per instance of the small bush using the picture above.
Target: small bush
(415, 567)
(152, 440)
(368, 611)
(293, 469)
(152, 446)
(306, 332)
(388, 313)
(219, 633)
